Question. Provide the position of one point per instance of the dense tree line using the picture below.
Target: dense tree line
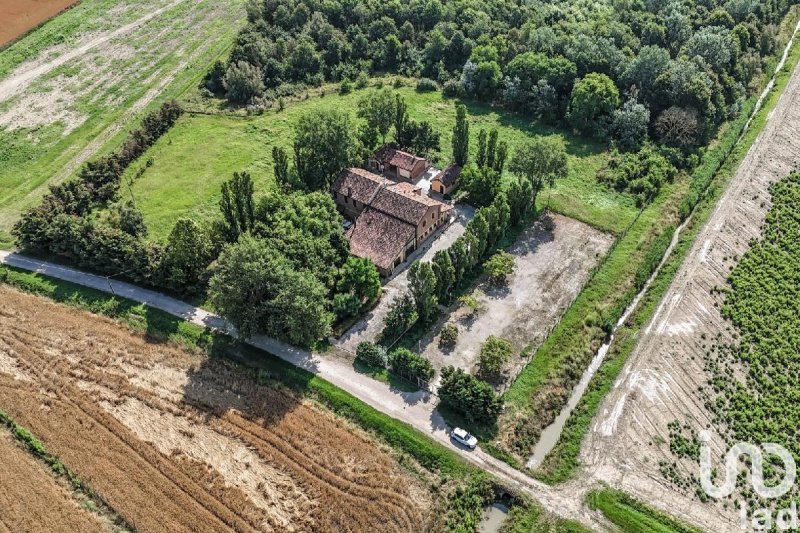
(609, 68)
(64, 224)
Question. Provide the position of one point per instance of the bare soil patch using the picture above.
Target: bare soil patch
(174, 441)
(629, 437)
(32, 499)
(553, 258)
(19, 17)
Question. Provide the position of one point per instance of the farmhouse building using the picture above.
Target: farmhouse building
(391, 161)
(391, 219)
(445, 181)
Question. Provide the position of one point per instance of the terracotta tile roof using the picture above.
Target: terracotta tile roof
(380, 237)
(358, 184)
(448, 176)
(391, 155)
(408, 207)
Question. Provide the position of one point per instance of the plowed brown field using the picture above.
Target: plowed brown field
(32, 499)
(175, 442)
(19, 16)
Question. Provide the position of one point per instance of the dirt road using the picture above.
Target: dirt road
(629, 437)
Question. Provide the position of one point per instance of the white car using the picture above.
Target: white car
(463, 437)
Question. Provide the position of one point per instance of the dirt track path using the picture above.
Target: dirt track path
(660, 381)
(21, 78)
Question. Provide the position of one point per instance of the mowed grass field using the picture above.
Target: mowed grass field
(72, 88)
(182, 174)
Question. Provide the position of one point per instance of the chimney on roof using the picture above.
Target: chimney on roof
(418, 191)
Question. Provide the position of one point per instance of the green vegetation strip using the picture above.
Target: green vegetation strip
(35, 447)
(562, 462)
(465, 506)
(632, 516)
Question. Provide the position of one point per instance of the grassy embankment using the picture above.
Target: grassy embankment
(465, 505)
(632, 516)
(203, 150)
(33, 157)
(717, 168)
(558, 363)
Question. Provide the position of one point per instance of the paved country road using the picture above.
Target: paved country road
(416, 408)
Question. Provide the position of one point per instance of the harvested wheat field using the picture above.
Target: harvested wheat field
(33, 499)
(21, 16)
(173, 441)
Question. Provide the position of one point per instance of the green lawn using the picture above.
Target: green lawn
(102, 94)
(191, 162)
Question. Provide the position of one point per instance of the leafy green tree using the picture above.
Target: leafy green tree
(459, 256)
(479, 228)
(480, 158)
(495, 352)
(503, 217)
(379, 109)
(445, 274)
(345, 305)
(324, 144)
(481, 184)
(422, 284)
(280, 163)
(360, 277)
(541, 161)
(487, 79)
(491, 149)
(469, 396)
(411, 365)
(243, 82)
(519, 196)
(531, 67)
(500, 266)
(307, 229)
(129, 219)
(401, 316)
(461, 136)
(260, 290)
(236, 205)
(629, 125)
(187, 255)
(372, 354)
(594, 98)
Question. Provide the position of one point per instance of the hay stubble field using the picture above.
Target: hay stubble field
(174, 440)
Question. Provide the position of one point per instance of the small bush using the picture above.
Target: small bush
(453, 89)
(346, 87)
(449, 335)
(362, 81)
(426, 85)
(371, 354)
